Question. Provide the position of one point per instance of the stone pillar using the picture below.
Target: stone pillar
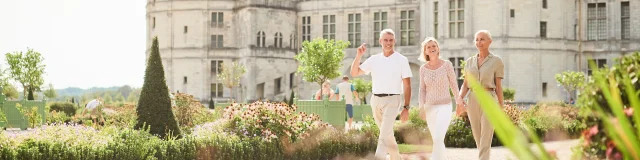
(249, 79)
(424, 21)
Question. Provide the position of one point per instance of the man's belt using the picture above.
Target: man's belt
(384, 95)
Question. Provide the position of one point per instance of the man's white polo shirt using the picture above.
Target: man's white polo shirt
(387, 72)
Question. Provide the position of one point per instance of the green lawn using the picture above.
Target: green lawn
(407, 148)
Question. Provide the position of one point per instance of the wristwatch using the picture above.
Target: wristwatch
(405, 107)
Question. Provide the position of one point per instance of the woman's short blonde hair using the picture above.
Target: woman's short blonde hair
(423, 56)
(326, 83)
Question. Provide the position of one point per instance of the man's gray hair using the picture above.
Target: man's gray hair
(387, 31)
(485, 32)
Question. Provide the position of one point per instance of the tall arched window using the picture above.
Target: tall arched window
(260, 39)
(277, 40)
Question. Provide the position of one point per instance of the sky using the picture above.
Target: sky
(85, 43)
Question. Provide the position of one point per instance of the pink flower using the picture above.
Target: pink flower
(628, 111)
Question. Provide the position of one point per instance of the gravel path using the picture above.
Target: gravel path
(562, 148)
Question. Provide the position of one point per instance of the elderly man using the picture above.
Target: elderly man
(390, 75)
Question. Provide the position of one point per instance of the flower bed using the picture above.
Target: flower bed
(294, 136)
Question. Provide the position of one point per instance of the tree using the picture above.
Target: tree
(362, 87)
(27, 69)
(132, 98)
(154, 106)
(125, 90)
(230, 75)
(51, 92)
(291, 98)
(10, 91)
(321, 60)
(571, 81)
(211, 104)
(107, 98)
(119, 97)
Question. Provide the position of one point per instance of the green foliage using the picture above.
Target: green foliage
(571, 81)
(27, 69)
(459, 134)
(362, 87)
(10, 91)
(462, 64)
(320, 60)
(132, 98)
(57, 117)
(154, 107)
(119, 98)
(125, 90)
(212, 105)
(3, 118)
(78, 142)
(124, 116)
(231, 74)
(68, 108)
(50, 92)
(189, 112)
(31, 114)
(509, 94)
(611, 103)
(107, 98)
(290, 103)
(504, 128)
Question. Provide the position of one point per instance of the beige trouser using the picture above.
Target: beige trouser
(385, 110)
(480, 126)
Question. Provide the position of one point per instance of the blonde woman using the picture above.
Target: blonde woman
(488, 69)
(437, 77)
(326, 90)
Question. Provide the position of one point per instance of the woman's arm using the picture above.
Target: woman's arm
(499, 91)
(453, 84)
(498, 75)
(464, 89)
(318, 95)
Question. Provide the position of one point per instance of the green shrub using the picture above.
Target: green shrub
(66, 107)
(211, 104)
(3, 118)
(154, 105)
(57, 117)
(124, 116)
(459, 134)
(598, 140)
(509, 94)
(31, 114)
(186, 107)
(189, 112)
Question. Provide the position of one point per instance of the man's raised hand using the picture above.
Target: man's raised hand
(362, 49)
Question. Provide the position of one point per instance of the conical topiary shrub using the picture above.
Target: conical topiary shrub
(154, 106)
(211, 104)
(291, 98)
